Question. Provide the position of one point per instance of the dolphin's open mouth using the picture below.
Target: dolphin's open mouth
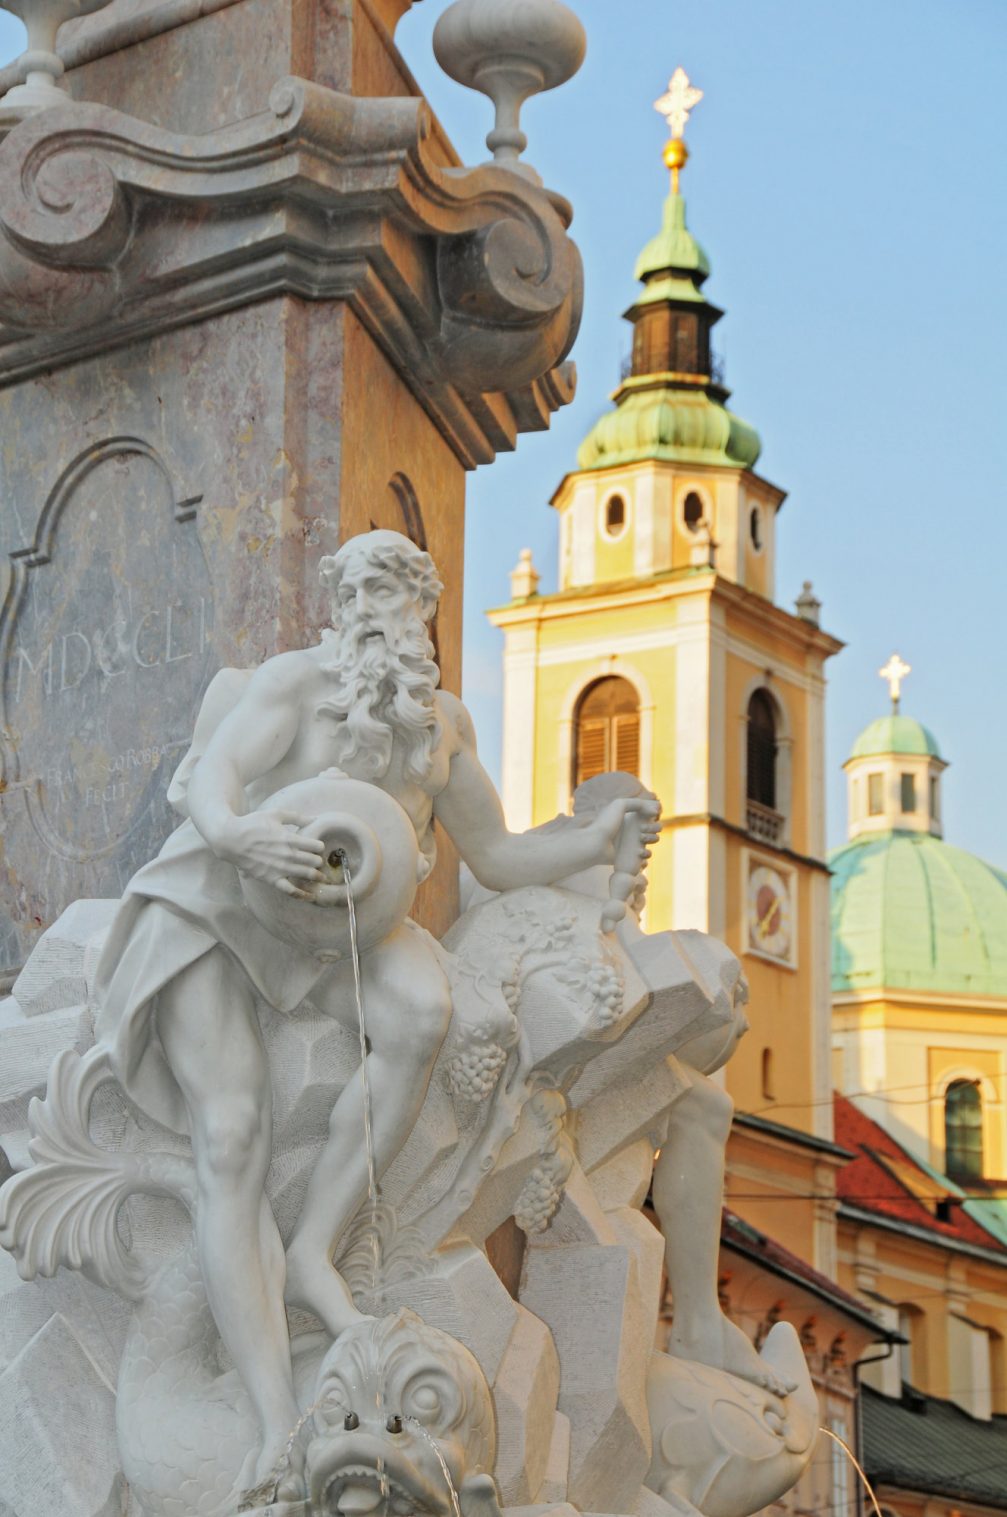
(355, 1475)
(356, 1490)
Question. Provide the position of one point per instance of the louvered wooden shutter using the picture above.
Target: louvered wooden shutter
(592, 749)
(627, 743)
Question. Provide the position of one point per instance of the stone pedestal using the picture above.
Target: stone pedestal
(249, 306)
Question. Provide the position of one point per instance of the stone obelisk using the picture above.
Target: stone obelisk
(250, 304)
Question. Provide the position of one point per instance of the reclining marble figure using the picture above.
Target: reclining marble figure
(523, 1069)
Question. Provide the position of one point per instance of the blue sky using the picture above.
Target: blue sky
(847, 181)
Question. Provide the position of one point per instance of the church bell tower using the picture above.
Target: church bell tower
(664, 652)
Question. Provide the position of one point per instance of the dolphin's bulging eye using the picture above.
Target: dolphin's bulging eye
(334, 1405)
(432, 1400)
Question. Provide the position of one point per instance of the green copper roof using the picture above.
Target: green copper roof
(910, 912)
(665, 423)
(895, 734)
(674, 247)
(989, 1211)
(662, 415)
(669, 287)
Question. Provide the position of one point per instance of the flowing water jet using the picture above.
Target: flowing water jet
(856, 1465)
(373, 1195)
(456, 1508)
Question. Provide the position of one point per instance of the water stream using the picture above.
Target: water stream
(418, 1425)
(372, 1179)
(283, 1463)
(373, 1194)
(856, 1465)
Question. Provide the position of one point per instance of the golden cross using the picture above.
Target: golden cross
(678, 101)
(895, 672)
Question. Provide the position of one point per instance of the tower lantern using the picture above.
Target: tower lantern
(894, 769)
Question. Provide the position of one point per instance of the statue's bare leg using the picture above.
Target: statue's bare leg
(407, 1003)
(208, 1026)
(688, 1196)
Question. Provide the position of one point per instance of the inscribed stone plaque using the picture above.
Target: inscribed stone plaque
(105, 641)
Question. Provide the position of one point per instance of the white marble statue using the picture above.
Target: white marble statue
(327, 1333)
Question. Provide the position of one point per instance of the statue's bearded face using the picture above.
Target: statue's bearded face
(382, 664)
(373, 603)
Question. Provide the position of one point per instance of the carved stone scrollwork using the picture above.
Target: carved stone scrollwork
(515, 273)
(111, 229)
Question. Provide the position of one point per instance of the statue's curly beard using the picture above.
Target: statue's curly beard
(383, 683)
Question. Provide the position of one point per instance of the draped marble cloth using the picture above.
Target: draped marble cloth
(175, 910)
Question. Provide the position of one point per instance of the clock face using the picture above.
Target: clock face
(770, 916)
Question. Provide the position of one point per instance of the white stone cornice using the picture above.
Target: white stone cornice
(112, 230)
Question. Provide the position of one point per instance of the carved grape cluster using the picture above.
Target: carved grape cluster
(511, 991)
(473, 1071)
(539, 1198)
(600, 982)
(604, 984)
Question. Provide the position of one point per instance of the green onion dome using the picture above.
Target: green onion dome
(667, 423)
(911, 912)
(674, 247)
(895, 734)
(671, 406)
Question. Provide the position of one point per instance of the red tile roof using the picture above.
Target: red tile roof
(890, 1189)
(746, 1239)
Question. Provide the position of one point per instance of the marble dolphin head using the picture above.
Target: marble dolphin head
(403, 1422)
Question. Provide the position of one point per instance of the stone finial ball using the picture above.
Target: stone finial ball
(472, 35)
(43, 18)
(367, 830)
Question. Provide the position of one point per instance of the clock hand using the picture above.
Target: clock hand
(762, 925)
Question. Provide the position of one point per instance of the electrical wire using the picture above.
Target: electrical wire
(880, 1092)
(832, 1195)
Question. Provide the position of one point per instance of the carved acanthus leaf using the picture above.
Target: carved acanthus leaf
(63, 1209)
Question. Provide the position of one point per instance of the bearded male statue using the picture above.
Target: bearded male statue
(179, 975)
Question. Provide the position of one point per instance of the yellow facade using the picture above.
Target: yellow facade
(938, 1296)
(899, 1053)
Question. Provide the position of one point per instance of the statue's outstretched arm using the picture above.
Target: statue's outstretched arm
(470, 811)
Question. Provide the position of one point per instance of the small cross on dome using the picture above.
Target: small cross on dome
(675, 106)
(895, 672)
(678, 101)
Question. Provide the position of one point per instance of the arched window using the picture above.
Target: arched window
(761, 773)
(755, 528)
(400, 487)
(693, 511)
(963, 1131)
(607, 730)
(615, 515)
(403, 494)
